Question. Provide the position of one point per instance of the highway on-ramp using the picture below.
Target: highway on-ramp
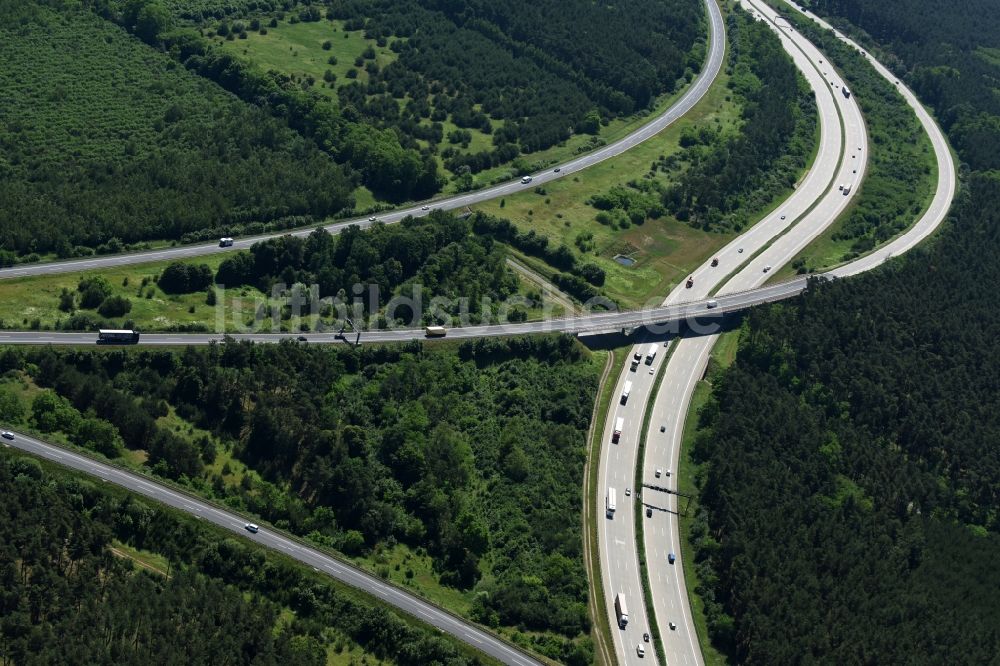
(694, 93)
(346, 573)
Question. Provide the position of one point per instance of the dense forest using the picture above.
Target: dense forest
(475, 454)
(520, 73)
(436, 256)
(949, 55)
(75, 592)
(104, 142)
(849, 466)
(722, 178)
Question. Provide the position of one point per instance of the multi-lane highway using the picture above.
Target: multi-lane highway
(841, 158)
(773, 241)
(690, 357)
(347, 573)
(694, 93)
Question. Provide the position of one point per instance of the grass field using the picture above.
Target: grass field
(33, 302)
(296, 49)
(665, 250)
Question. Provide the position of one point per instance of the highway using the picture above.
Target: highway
(841, 157)
(346, 573)
(690, 358)
(694, 93)
(736, 284)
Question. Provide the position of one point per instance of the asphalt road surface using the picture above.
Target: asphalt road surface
(712, 65)
(690, 358)
(815, 202)
(349, 574)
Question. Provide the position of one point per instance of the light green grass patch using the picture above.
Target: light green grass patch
(666, 250)
(296, 49)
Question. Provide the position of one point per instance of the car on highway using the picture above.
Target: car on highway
(526, 180)
(649, 512)
(373, 219)
(639, 650)
(6, 434)
(252, 528)
(673, 627)
(712, 304)
(663, 427)
(715, 262)
(659, 472)
(645, 636)
(782, 217)
(557, 169)
(302, 338)
(690, 282)
(628, 492)
(668, 472)
(652, 370)
(425, 208)
(767, 268)
(671, 558)
(740, 250)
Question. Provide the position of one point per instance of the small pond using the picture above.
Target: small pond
(624, 261)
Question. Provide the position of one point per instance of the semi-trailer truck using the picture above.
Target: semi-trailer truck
(626, 391)
(651, 354)
(621, 610)
(619, 426)
(611, 503)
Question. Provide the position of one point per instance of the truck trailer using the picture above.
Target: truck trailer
(610, 502)
(621, 610)
(619, 426)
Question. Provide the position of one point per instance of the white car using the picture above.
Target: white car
(652, 370)
(526, 180)
(6, 434)
(639, 650)
(425, 208)
(250, 527)
(659, 472)
(767, 268)
(373, 219)
(782, 217)
(628, 492)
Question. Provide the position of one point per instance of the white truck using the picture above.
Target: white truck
(626, 391)
(621, 610)
(847, 93)
(847, 189)
(610, 502)
(619, 426)
(226, 242)
(651, 354)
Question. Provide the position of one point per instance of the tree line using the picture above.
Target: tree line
(70, 597)
(475, 454)
(849, 476)
(108, 143)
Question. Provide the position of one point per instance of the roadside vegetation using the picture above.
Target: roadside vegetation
(94, 575)
(438, 269)
(452, 469)
(648, 217)
(849, 470)
(902, 170)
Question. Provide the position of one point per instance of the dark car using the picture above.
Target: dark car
(6, 434)
(649, 512)
(645, 636)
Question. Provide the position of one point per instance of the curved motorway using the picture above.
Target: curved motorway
(816, 202)
(694, 93)
(690, 356)
(773, 241)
